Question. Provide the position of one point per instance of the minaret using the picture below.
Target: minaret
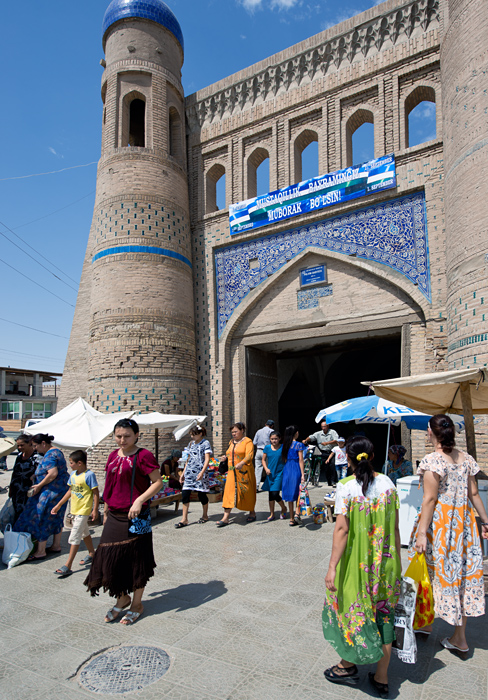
(133, 338)
(464, 62)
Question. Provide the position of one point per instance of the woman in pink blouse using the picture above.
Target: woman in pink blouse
(124, 560)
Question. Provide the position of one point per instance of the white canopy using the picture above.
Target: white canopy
(80, 426)
(438, 392)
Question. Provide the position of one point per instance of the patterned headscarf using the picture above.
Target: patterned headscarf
(398, 450)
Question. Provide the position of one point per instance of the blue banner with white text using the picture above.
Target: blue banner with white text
(310, 195)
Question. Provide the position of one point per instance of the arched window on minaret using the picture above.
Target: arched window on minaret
(175, 135)
(137, 123)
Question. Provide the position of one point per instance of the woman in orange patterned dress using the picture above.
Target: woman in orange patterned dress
(240, 486)
(446, 531)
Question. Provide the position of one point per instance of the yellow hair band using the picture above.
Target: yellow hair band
(362, 456)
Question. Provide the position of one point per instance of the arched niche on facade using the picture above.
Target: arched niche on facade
(363, 115)
(254, 161)
(301, 142)
(175, 135)
(414, 98)
(134, 128)
(213, 176)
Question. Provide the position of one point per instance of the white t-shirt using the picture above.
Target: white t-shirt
(340, 455)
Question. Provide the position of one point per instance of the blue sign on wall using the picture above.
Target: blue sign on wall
(313, 275)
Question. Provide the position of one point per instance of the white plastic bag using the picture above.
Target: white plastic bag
(405, 644)
(16, 547)
(7, 514)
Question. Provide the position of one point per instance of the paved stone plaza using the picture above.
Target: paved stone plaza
(237, 609)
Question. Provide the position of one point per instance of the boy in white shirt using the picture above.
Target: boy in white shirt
(83, 491)
(340, 458)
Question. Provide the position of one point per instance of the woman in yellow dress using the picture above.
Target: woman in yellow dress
(240, 486)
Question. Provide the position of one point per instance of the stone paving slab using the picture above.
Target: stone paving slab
(237, 609)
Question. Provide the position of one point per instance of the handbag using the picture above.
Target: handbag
(142, 524)
(224, 466)
(405, 644)
(7, 514)
(424, 605)
(16, 547)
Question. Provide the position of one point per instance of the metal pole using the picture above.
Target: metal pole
(468, 418)
(156, 444)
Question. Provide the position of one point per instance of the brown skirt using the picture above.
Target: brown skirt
(123, 562)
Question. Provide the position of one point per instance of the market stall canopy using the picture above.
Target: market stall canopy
(438, 392)
(454, 391)
(373, 409)
(178, 425)
(7, 445)
(78, 426)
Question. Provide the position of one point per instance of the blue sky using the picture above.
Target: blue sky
(51, 120)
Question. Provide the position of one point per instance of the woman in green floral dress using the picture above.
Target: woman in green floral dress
(363, 580)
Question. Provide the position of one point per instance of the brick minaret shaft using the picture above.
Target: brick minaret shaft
(464, 66)
(133, 339)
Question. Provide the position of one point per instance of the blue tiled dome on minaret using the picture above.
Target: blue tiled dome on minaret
(154, 10)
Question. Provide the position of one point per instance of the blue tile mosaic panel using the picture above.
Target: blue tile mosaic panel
(153, 250)
(393, 233)
(309, 298)
(155, 10)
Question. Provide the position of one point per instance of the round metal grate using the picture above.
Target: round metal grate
(124, 669)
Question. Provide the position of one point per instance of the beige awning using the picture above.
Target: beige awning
(439, 392)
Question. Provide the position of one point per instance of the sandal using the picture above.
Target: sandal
(222, 523)
(86, 561)
(63, 572)
(283, 516)
(34, 558)
(110, 617)
(342, 676)
(447, 645)
(271, 518)
(292, 523)
(203, 520)
(381, 688)
(178, 526)
(250, 518)
(130, 617)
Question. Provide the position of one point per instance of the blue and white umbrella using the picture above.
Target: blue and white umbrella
(372, 409)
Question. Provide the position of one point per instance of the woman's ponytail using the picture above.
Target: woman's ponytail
(360, 451)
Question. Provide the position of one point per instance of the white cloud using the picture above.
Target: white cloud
(252, 5)
(243, 36)
(340, 17)
(54, 152)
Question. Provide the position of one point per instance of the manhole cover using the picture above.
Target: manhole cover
(124, 669)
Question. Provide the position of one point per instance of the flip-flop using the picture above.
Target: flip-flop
(447, 645)
(203, 520)
(221, 524)
(250, 518)
(271, 517)
(283, 516)
(63, 572)
(178, 526)
(130, 617)
(34, 558)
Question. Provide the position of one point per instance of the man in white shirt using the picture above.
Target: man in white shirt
(261, 439)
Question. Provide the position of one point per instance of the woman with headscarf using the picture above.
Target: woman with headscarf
(446, 531)
(24, 469)
(398, 466)
(50, 485)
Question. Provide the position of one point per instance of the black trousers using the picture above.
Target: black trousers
(330, 470)
(202, 497)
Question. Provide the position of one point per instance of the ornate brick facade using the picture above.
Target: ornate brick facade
(176, 314)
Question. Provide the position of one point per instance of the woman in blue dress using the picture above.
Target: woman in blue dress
(273, 466)
(50, 485)
(195, 477)
(293, 470)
